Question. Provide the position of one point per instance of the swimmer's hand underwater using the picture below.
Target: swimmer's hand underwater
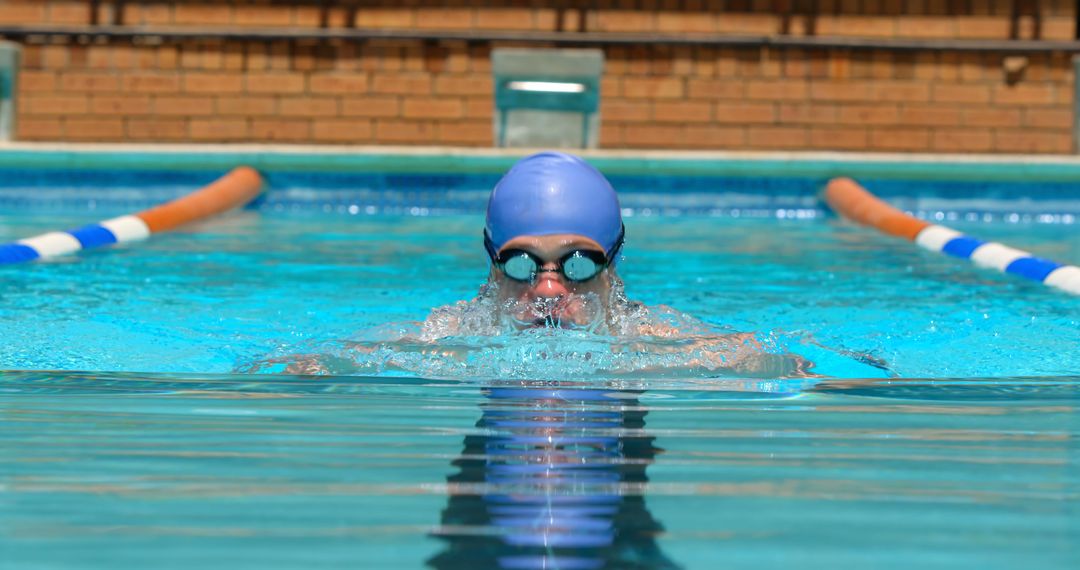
(299, 364)
(737, 354)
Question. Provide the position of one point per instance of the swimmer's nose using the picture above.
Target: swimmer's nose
(549, 286)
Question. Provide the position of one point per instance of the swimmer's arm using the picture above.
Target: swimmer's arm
(291, 364)
(749, 358)
(298, 364)
(439, 324)
(739, 353)
(769, 365)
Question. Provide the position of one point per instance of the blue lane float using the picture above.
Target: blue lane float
(52, 244)
(1001, 257)
(854, 202)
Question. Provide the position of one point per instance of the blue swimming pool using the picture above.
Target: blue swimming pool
(941, 431)
(215, 297)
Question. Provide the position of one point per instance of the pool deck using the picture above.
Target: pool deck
(998, 168)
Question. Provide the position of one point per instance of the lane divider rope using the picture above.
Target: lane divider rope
(240, 186)
(854, 202)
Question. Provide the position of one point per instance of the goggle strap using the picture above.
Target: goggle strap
(615, 249)
(490, 247)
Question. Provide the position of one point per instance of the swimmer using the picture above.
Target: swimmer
(554, 234)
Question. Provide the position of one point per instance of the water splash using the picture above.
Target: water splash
(486, 338)
(490, 314)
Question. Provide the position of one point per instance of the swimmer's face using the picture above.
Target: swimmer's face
(551, 297)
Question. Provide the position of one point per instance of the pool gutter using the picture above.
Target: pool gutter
(289, 158)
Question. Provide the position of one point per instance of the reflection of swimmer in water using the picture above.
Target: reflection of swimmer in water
(554, 233)
(553, 478)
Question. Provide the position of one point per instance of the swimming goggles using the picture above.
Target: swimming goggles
(577, 265)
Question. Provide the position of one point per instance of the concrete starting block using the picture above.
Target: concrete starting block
(10, 54)
(547, 97)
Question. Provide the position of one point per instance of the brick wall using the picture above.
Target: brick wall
(687, 97)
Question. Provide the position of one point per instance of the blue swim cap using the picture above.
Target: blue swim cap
(554, 193)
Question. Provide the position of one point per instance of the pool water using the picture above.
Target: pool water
(941, 432)
(138, 470)
(215, 297)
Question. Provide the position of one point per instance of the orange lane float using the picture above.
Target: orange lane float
(854, 202)
(237, 188)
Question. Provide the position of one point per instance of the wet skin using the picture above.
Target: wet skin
(551, 297)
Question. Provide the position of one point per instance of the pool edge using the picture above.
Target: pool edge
(286, 158)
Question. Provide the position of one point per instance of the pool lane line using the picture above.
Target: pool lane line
(854, 202)
(236, 188)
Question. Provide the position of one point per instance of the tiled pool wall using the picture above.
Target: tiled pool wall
(411, 181)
